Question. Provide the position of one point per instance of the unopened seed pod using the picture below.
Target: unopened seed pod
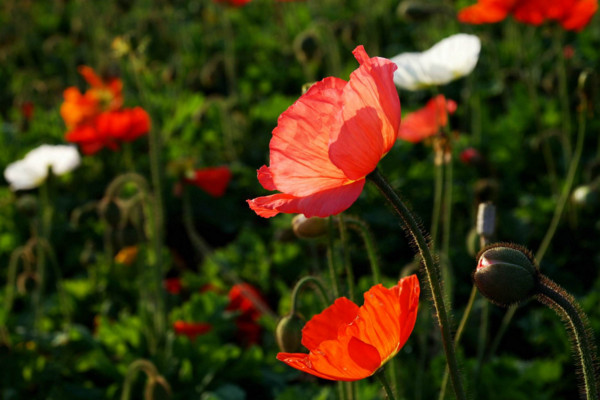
(289, 333)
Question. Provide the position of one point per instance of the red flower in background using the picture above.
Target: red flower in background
(247, 300)
(95, 118)
(427, 121)
(191, 329)
(347, 342)
(329, 140)
(173, 285)
(27, 109)
(571, 14)
(213, 180)
(470, 156)
(233, 3)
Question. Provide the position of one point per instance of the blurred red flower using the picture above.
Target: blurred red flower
(470, 156)
(329, 140)
(173, 285)
(248, 301)
(427, 121)
(96, 120)
(191, 329)
(27, 109)
(571, 14)
(213, 180)
(233, 3)
(347, 342)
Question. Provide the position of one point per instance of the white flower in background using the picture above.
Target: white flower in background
(447, 60)
(32, 171)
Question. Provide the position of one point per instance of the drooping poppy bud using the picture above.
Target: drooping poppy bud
(289, 333)
(309, 228)
(506, 274)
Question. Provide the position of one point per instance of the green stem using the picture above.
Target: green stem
(346, 256)
(43, 233)
(386, 386)
(563, 95)
(447, 212)
(457, 336)
(437, 202)
(138, 365)
(580, 333)
(305, 280)
(432, 277)
(566, 190)
(331, 260)
(363, 229)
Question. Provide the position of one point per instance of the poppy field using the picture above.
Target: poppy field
(299, 199)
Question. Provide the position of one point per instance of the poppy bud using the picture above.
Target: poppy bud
(28, 205)
(289, 333)
(505, 274)
(473, 242)
(584, 196)
(309, 228)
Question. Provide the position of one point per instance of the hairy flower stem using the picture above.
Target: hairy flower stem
(580, 333)
(363, 229)
(432, 274)
(386, 386)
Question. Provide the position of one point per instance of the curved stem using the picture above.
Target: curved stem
(363, 229)
(431, 273)
(300, 284)
(579, 330)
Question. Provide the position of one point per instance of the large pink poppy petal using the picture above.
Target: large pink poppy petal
(371, 115)
(299, 159)
(322, 204)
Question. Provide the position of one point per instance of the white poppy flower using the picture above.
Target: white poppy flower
(449, 59)
(32, 171)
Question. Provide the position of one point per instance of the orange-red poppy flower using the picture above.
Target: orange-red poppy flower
(571, 14)
(213, 180)
(347, 342)
(329, 140)
(233, 3)
(427, 121)
(110, 128)
(103, 95)
(127, 255)
(191, 329)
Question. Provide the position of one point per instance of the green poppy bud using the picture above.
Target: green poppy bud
(506, 274)
(289, 333)
(309, 228)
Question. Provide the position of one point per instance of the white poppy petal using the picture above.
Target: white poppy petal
(449, 59)
(32, 170)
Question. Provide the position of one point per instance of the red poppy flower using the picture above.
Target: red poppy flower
(329, 140)
(571, 14)
(427, 121)
(347, 342)
(173, 285)
(247, 300)
(191, 329)
(213, 180)
(233, 3)
(110, 128)
(103, 95)
(470, 156)
(27, 109)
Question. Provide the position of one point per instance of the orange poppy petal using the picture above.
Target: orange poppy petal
(409, 305)
(580, 15)
(90, 76)
(427, 121)
(299, 161)
(345, 359)
(326, 325)
(485, 12)
(321, 204)
(371, 114)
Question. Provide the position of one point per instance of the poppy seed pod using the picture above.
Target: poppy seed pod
(289, 333)
(505, 274)
(309, 228)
